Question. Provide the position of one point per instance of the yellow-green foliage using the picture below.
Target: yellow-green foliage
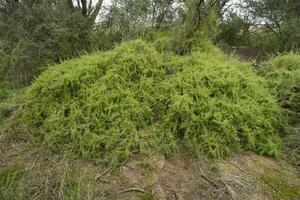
(164, 44)
(134, 101)
(283, 76)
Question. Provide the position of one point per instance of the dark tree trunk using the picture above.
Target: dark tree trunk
(86, 8)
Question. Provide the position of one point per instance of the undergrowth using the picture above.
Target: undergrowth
(52, 181)
(133, 101)
(283, 76)
(10, 100)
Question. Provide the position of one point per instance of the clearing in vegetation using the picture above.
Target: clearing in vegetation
(134, 100)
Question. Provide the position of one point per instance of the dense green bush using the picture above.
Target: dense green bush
(179, 44)
(164, 44)
(105, 39)
(134, 101)
(283, 76)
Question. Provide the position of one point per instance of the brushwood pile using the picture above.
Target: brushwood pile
(134, 101)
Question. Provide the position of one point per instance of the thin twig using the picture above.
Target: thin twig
(229, 190)
(103, 180)
(103, 195)
(207, 179)
(98, 176)
(133, 190)
(3, 165)
(33, 164)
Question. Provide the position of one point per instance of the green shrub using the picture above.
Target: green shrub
(105, 39)
(181, 45)
(233, 30)
(164, 44)
(134, 101)
(283, 76)
(267, 43)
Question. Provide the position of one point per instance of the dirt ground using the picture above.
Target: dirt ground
(246, 53)
(245, 176)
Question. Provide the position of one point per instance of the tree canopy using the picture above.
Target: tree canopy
(34, 34)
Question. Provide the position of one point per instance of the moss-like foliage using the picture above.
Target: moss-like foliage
(283, 76)
(134, 101)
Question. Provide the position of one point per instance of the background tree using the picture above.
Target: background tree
(234, 30)
(198, 10)
(278, 17)
(160, 10)
(35, 33)
(86, 8)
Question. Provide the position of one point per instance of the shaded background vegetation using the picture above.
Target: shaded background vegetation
(34, 34)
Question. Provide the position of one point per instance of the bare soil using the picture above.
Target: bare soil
(245, 176)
